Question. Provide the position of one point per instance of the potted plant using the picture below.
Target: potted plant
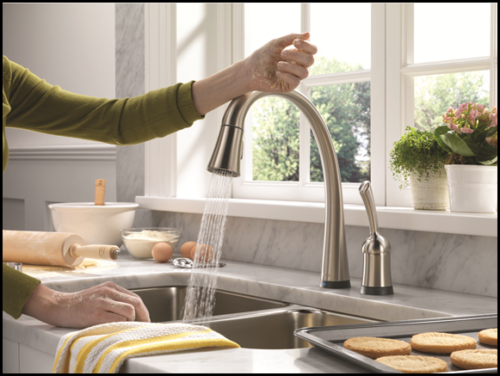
(418, 158)
(471, 137)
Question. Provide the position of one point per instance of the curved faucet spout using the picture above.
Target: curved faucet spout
(228, 152)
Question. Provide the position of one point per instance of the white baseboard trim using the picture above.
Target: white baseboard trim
(65, 153)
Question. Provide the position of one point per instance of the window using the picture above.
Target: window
(432, 65)
(381, 66)
(281, 159)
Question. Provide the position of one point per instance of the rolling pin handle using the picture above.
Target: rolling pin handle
(95, 251)
(73, 251)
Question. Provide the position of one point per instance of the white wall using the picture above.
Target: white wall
(197, 58)
(73, 46)
(70, 45)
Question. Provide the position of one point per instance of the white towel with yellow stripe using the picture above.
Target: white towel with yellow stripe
(104, 348)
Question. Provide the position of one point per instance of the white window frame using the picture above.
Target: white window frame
(393, 204)
(304, 190)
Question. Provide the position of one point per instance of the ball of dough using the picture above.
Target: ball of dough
(162, 252)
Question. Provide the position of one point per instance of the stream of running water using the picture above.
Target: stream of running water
(200, 295)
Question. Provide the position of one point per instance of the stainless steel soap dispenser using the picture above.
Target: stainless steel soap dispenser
(376, 252)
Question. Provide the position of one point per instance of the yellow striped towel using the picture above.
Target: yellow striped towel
(103, 348)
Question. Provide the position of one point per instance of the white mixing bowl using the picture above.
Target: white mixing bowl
(95, 224)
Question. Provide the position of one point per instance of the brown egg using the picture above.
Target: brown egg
(207, 253)
(186, 249)
(162, 252)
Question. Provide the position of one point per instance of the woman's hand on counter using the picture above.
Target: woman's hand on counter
(271, 68)
(100, 304)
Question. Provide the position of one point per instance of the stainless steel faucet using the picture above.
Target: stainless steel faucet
(229, 150)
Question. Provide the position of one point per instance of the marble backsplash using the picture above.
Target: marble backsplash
(460, 263)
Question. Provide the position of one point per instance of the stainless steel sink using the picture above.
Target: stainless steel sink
(250, 321)
(274, 329)
(167, 303)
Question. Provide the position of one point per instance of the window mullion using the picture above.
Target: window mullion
(493, 57)
(378, 166)
(394, 101)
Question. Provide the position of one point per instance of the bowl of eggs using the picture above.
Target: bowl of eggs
(156, 242)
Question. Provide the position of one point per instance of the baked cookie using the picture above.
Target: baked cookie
(441, 343)
(374, 347)
(414, 363)
(475, 359)
(488, 336)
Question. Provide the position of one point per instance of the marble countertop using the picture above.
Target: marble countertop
(289, 285)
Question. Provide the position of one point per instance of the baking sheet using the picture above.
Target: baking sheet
(331, 338)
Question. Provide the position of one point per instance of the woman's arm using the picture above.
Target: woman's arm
(268, 69)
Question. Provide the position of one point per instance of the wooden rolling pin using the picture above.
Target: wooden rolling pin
(52, 248)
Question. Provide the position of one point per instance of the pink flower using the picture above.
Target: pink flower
(494, 119)
(467, 130)
(450, 112)
(454, 128)
(480, 107)
(493, 141)
(473, 115)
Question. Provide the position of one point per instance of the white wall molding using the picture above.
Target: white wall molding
(64, 153)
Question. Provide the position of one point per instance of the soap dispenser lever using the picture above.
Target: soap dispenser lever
(376, 251)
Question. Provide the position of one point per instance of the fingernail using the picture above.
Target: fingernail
(298, 42)
(285, 53)
(281, 64)
(278, 73)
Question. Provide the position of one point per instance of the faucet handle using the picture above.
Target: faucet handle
(376, 249)
(365, 190)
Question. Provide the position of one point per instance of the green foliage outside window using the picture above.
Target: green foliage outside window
(435, 94)
(346, 111)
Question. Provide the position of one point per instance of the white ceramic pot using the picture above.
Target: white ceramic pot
(431, 194)
(473, 188)
(95, 224)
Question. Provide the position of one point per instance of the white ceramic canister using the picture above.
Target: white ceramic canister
(430, 194)
(473, 188)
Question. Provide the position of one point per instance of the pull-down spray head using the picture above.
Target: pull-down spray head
(228, 151)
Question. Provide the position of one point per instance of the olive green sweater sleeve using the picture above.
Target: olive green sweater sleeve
(16, 289)
(31, 103)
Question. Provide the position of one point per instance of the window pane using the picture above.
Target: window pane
(451, 31)
(267, 21)
(275, 140)
(435, 94)
(342, 32)
(346, 111)
(275, 121)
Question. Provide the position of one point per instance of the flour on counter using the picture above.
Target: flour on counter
(87, 266)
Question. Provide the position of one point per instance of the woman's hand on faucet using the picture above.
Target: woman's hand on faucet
(257, 72)
(275, 69)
